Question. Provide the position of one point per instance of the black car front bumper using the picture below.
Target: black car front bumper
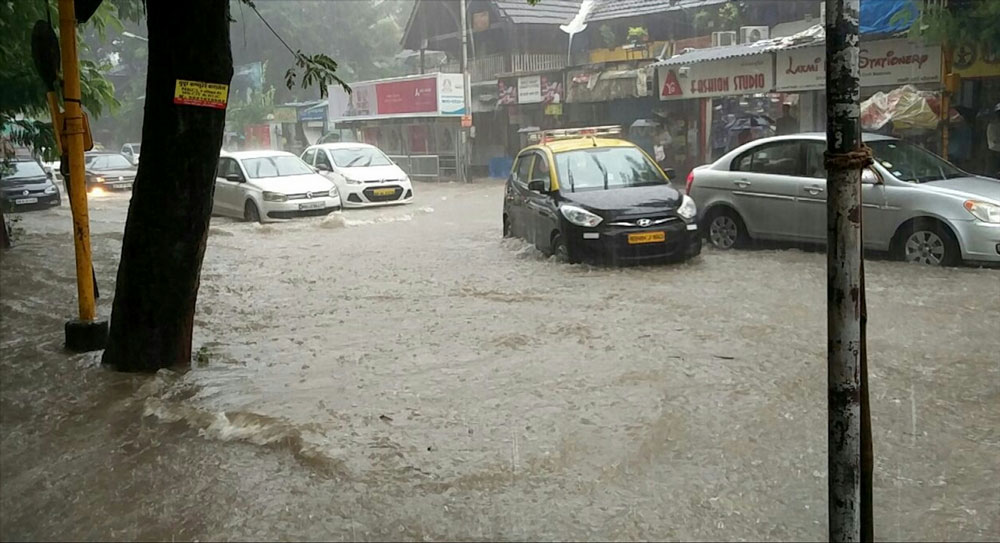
(610, 244)
(42, 201)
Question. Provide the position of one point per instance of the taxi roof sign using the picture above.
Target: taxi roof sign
(543, 136)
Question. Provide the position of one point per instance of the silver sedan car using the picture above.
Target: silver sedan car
(916, 205)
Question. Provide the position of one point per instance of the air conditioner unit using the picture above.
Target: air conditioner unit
(751, 34)
(723, 38)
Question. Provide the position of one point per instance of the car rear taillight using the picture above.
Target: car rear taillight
(690, 181)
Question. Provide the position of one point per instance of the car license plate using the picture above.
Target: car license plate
(121, 186)
(311, 205)
(22, 201)
(646, 237)
(384, 192)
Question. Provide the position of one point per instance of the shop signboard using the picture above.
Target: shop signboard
(976, 60)
(540, 89)
(800, 69)
(882, 63)
(407, 96)
(285, 115)
(506, 92)
(897, 62)
(315, 113)
(529, 89)
(726, 77)
(451, 94)
(415, 96)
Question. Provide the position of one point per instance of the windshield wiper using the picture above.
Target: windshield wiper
(604, 171)
(571, 187)
(355, 159)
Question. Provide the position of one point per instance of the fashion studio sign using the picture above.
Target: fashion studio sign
(882, 63)
(742, 75)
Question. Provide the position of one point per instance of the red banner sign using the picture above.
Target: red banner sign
(408, 96)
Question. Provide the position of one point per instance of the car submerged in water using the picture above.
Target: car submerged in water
(915, 205)
(25, 185)
(107, 172)
(586, 195)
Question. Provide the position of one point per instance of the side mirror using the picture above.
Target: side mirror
(537, 186)
(670, 173)
(870, 177)
(323, 168)
(235, 178)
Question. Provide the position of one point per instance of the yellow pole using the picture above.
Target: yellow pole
(74, 141)
(945, 99)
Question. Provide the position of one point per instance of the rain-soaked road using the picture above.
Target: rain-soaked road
(404, 374)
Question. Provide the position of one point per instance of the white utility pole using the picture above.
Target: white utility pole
(464, 150)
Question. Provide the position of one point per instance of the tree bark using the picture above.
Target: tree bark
(167, 227)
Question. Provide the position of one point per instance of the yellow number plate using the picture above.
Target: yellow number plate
(384, 192)
(647, 237)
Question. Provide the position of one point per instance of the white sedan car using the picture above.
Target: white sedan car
(362, 173)
(266, 186)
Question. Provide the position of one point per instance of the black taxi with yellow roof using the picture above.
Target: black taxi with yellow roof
(585, 194)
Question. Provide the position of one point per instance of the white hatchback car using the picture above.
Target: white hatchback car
(266, 186)
(362, 173)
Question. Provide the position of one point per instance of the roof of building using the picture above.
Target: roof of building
(560, 12)
(815, 35)
(547, 12)
(620, 9)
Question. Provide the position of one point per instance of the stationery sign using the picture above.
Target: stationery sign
(882, 63)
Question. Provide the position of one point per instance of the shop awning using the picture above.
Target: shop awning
(814, 35)
(589, 85)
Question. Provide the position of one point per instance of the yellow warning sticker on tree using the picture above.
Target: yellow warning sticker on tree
(199, 93)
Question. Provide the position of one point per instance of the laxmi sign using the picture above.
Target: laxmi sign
(882, 63)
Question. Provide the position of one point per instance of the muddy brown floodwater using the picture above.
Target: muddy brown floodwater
(403, 373)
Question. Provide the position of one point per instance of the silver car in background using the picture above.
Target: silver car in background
(916, 205)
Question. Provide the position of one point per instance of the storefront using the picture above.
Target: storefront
(713, 100)
(313, 121)
(745, 92)
(416, 120)
(900, 87)
(978, 65)
(614, 94)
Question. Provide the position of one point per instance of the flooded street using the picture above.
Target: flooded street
(404, 373)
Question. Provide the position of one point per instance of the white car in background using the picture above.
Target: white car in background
(131, 151)
(267, 186)
(364, 175)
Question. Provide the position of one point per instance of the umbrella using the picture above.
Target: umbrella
(645, 123)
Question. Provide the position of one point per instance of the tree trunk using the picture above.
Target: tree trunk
(153, 312)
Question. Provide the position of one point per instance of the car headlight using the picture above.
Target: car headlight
(983, 211)
(275, 197)
(688, 209)
(352, 181)
(333, 192)
(99, 179)
(580, 216)
(51, 189)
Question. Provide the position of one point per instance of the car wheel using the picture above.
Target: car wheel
(726, 230)
(561, 251)
(506, 227)
(930, 243)
(251, 213)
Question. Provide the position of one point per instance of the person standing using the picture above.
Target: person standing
(993, 142)
(787, 124)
